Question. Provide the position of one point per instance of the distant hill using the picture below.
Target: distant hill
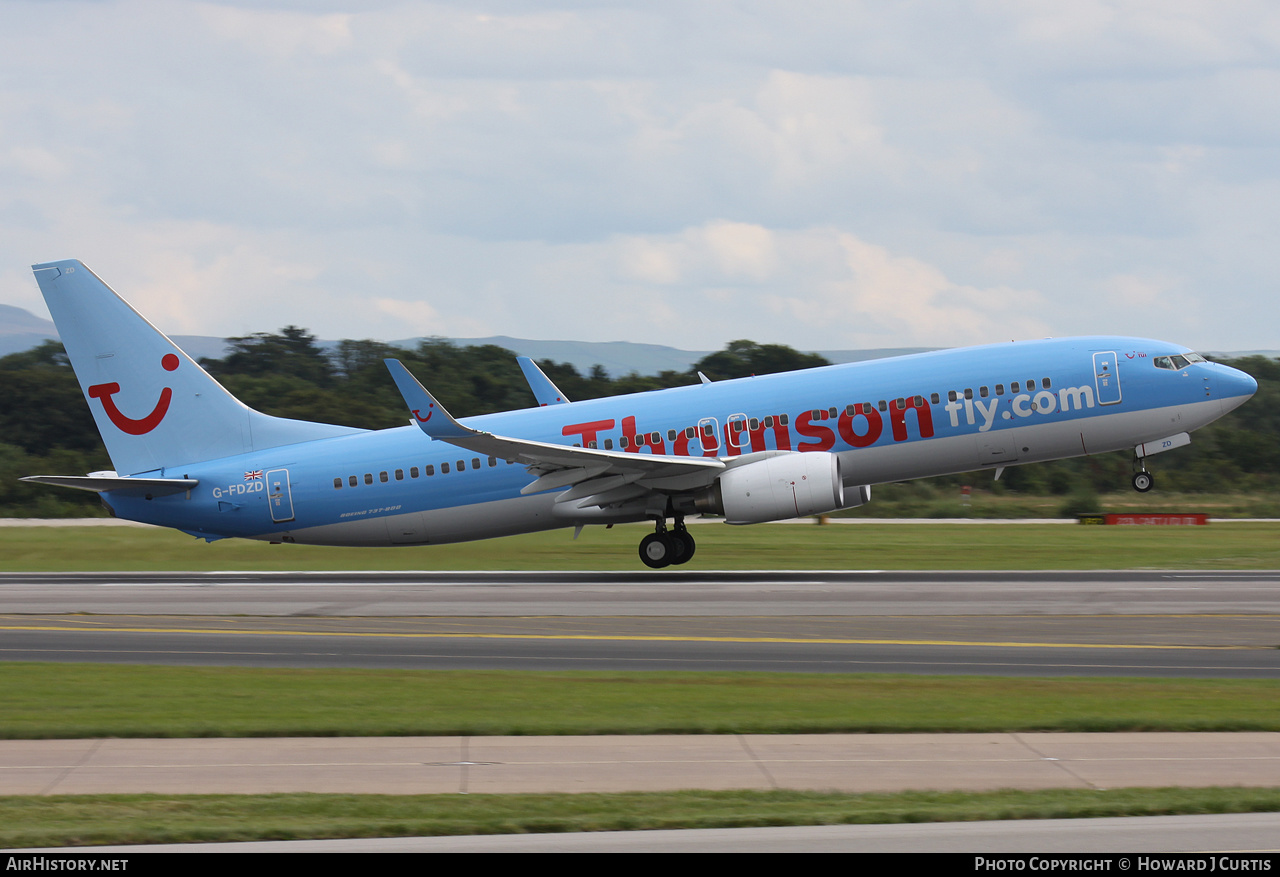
(21, 330)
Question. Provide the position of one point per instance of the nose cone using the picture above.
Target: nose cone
(1233, 387)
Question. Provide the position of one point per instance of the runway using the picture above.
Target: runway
(1177, 624)
(1192, 623)
(666, 593)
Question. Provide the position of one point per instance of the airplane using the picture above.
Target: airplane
(189, 455)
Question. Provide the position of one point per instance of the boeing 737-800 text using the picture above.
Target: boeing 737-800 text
(187, 454)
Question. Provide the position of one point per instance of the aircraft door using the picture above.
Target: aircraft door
(736, 431)
(279, 495)
(1106, 378)
(709, 434)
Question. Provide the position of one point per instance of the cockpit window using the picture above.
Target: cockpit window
(1177, 361)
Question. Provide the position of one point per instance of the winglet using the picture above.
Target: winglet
(546, 392)
(427, 412)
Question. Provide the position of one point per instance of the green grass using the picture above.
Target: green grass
(48, 700)
(765, 546)
(73, 700)
(32, 821)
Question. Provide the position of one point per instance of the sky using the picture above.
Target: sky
(827, 175)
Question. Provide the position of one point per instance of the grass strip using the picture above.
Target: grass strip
(31, 821)
(1252, 545)
(56, 700)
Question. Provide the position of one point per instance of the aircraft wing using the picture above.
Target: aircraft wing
(595, 477)
(544, 390)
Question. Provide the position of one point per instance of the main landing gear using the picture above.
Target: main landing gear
(665, 547)
(1142, 480)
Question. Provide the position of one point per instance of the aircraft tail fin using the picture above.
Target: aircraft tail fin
(154, 406)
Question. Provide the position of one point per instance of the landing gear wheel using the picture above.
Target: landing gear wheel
(658, 550)
(1142, 482)
(685, 544)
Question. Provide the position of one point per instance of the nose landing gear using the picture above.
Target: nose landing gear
(1142, 480)
(665, 547)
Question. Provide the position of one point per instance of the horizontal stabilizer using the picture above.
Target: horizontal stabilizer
(128, 486)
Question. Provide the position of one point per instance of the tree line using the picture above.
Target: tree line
(46, 426)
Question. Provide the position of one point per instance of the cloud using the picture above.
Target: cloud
(824, 175)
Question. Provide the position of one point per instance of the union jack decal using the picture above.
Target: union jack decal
(253, 476)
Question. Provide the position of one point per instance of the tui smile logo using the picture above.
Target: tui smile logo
(128, 424)
(417, 412)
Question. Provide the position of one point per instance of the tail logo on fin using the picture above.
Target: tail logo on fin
(417, 412)
(128, 424)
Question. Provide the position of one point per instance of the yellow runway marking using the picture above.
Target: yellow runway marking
(625, 638)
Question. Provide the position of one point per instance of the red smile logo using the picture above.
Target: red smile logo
(128, 424)
(417, 412)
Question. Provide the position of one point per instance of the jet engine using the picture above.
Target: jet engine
(779, 487)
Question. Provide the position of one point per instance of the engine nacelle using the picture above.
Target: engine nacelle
(776, 488)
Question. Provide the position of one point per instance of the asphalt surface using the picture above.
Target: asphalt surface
(1193, 623)
(1171, 624)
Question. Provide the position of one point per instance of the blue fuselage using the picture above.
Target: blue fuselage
(888, 420)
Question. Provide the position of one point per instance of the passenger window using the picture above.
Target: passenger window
(624, 442)
(382, 476)
(754, 423)
(884, 406)
(934, 399)
(690, 432)
(784, 419)
(1013, 388)
(462, 465)
(999, 389)
(368, 478)
(968, 393)
(951, 395)
(983, 392)
(399, 475)
(475, 462)
(352, 481)
(430, 470)
(337, 484)
(444, 468)
(1044, 382)
(413, 471)
(493, 461)
(608, 444)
